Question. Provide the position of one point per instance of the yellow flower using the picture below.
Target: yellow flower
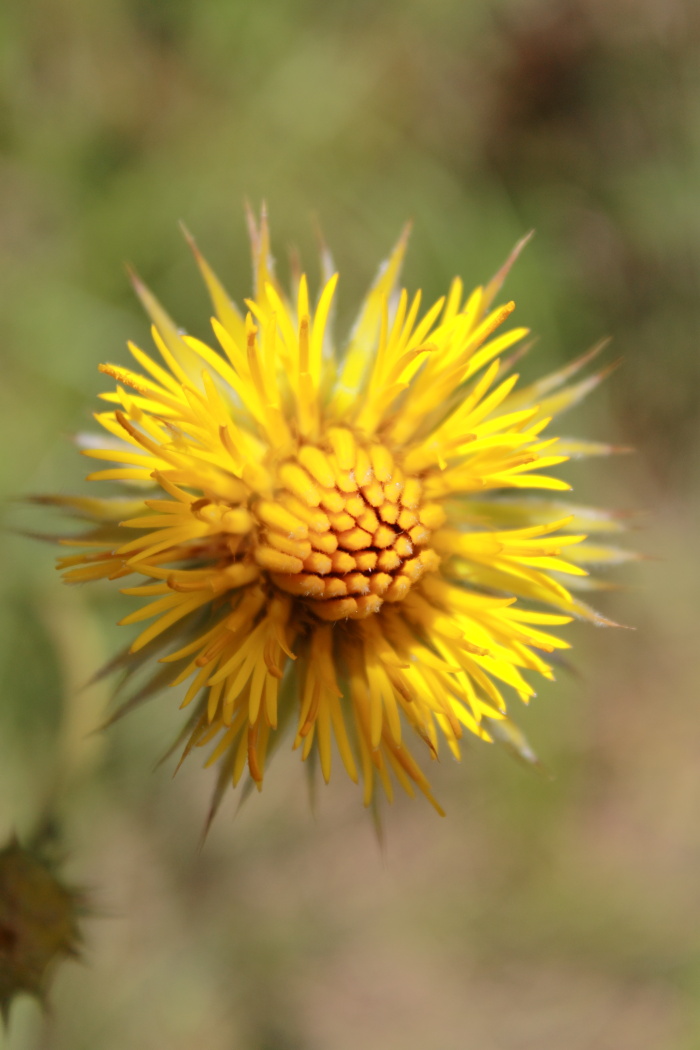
(336, 540)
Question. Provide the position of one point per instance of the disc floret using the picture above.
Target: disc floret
(347, 530)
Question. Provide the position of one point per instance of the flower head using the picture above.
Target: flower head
(38, 923)
(360, 543)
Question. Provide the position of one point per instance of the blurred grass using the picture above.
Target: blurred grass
(540, 913)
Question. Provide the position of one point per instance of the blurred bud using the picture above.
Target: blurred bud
(38, 923)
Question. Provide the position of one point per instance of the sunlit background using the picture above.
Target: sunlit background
(542, 912)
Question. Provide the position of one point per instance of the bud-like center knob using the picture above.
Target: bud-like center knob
(346, 529)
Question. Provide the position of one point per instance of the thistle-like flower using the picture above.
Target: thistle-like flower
(38, 923)
(362, 544)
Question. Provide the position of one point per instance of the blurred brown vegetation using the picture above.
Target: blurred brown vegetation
(542, 913)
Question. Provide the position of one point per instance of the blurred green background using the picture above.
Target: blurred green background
(560, 913)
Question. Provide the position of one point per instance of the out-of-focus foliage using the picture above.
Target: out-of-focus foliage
(541, 913)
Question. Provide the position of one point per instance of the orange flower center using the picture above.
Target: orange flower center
(346, 529)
